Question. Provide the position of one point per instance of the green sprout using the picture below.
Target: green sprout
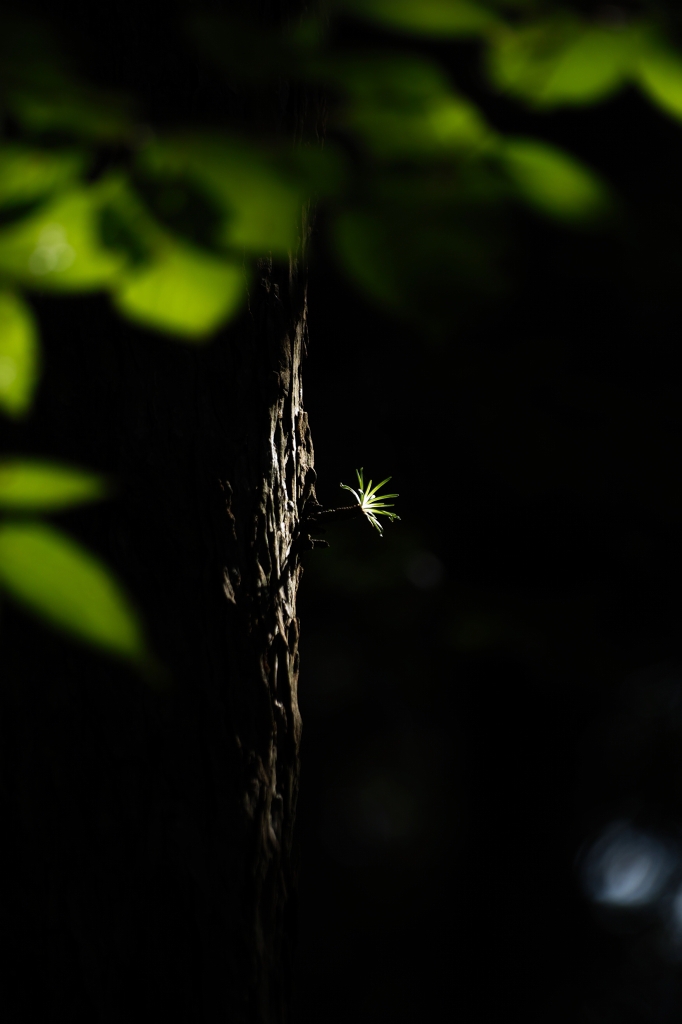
(371, 503)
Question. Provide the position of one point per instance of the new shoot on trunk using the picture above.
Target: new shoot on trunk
(370, 502)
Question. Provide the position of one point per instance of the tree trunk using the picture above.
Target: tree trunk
(150, 833)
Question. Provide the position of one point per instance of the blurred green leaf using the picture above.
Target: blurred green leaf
(43, 93)
(121, 229)
(421, 263)
(261, 206)
(58, 247)
(385, 78)
(552, 181)
(443, 125)
(165, 283)
(183, 291)
(72, 112)
(424, 17)
(659, 74)
(46, 486)
(182, 205)
(63, 583)
(19, 355)
(363, 249)
(563, 60)
(403, 105)
(28, 173)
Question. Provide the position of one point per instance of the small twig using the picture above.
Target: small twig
(334, 515)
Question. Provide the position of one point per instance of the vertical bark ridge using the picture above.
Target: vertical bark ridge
(270, 752)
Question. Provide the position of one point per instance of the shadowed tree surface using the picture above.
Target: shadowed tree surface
(150, 831)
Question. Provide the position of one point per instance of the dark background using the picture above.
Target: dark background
(463, 676)
(489, 684)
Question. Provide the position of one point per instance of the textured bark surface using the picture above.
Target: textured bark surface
(151, 833)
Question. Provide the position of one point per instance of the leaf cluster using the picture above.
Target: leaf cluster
(372, 503)
(414, 182)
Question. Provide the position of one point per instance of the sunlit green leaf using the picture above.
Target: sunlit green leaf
(63, 583)
(563, 60)
(165, 284)
(58, 247)
(425, 17)
(261, 206)
(553, 181)
(659, 73)
(19, 355)
(29, 173)
(46, 486)
(183, 291)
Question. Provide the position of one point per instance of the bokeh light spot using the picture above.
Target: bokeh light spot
(626, 867)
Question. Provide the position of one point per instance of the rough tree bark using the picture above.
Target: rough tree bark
(151, 834)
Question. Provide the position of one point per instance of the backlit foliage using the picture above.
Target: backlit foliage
(414, 181)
